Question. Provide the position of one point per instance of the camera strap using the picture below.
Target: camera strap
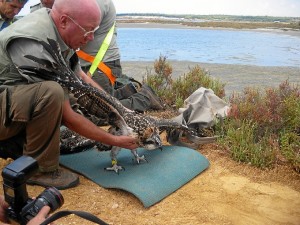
(82, 214)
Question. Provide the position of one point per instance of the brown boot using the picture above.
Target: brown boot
(60, 179)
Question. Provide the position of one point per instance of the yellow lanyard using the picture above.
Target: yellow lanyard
(102, 50)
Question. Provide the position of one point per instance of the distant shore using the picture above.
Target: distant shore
(181, 26)
(236, 77)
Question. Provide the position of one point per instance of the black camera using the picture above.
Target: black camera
(21, 207)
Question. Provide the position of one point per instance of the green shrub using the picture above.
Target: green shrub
(290, 148)
(173, 93)
(261, 127)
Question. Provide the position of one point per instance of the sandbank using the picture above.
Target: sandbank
(292, 32)
(236, 77)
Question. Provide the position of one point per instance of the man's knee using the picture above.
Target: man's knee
(52, 91)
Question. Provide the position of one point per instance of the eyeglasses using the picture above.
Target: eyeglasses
(86, 33)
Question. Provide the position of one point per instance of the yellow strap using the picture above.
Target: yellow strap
(102, 50)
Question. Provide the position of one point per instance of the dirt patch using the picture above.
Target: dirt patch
(226, 193)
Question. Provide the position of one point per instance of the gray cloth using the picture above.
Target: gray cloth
(201, 109)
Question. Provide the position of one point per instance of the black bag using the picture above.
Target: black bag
(124, 80)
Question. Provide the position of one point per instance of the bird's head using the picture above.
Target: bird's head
(150, 138)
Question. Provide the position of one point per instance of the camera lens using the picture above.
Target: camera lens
(50, 196)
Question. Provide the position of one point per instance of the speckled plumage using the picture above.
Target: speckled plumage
(97, 102)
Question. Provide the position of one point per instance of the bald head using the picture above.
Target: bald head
(76, 20)
(77, 8)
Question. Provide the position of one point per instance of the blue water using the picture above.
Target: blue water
(210, 46)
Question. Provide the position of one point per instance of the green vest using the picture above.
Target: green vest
(37, 26)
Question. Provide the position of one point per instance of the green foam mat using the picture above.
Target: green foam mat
(165, 172)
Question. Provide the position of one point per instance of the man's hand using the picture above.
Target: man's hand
(40, 217)
(126, 142)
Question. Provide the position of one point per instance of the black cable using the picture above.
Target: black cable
(82, 214)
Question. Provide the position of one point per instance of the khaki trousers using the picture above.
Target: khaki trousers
(34, 111)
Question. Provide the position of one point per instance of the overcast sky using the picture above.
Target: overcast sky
(289, 8)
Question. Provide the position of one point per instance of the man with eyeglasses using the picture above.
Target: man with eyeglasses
(8, 10)
(31, 109)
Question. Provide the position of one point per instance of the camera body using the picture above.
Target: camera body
(21, 207)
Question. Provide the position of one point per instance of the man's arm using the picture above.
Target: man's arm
(86, 128)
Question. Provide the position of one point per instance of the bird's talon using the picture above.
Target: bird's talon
(138, 159)
(115, 168)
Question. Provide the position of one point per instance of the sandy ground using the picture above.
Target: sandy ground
(226, 193)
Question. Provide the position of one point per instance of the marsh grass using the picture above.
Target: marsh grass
(262, 127)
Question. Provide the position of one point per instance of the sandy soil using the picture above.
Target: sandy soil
(226, 193)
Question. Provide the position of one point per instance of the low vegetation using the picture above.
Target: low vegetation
(233, 18)
(219, 21)
(174, 92)
(262, 127)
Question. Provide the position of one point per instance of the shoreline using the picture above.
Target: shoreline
(235, 77)
(151, 25)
